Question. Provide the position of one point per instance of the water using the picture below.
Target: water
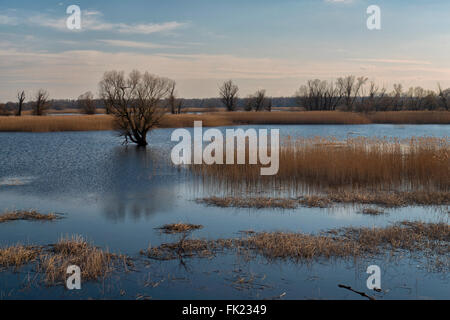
(116, 196)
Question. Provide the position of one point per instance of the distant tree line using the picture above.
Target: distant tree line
(348, 93)
(357, 94)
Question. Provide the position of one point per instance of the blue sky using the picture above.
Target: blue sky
(276, 45)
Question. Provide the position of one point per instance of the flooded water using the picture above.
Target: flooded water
(116, 196)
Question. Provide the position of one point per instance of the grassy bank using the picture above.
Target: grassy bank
(29, 123)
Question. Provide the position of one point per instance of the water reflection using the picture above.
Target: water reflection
(141, 183)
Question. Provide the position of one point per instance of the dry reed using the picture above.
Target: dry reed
(17, 255)
(413, 164)
(29, 123)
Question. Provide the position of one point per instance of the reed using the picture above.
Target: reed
(30, 123)
(357, 164)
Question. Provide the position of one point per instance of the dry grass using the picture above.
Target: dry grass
(356, 163)
(392, 199)
(179, 227)
(56, 123)
(385, 199)
(30, 123)
(410, 117)
(337, 243)
(93, 262)
(17, 255)
(52, 261)
(258, 203)
(27, 215)
(187, 248)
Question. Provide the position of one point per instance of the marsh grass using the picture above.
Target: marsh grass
(94, 262)
(385, 199)
(430, 238)
(320, 164)
(31, 215)
(258, 203)
(52, 261)
(179, 227)
(18, 255)
(213, 119)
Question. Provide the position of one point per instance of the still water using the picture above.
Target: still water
(116, 196)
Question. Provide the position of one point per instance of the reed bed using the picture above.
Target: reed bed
(410, 117)
(28, 123)
(356, 164)
(56, 123)
(32, 215)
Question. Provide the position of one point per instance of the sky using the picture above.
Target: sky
(274, 45)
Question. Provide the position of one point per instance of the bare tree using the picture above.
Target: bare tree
(3, 111)
(258, 101)
(229, 95)
(41, 103)
(319, 95)
(173, 102)
(397, 94)
(21, 99)
(350, 87)
(443, 96)
(135, 102)
(86, 103)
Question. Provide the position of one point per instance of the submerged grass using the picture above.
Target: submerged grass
(27, 215)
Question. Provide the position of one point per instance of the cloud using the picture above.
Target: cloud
(91, 20)
(149, 28)
(66, 74)
(8, 20)
(339, 1)
(393, 61)
(134, 44)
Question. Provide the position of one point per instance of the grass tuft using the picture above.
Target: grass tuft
(179, 227)
(27, 215)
